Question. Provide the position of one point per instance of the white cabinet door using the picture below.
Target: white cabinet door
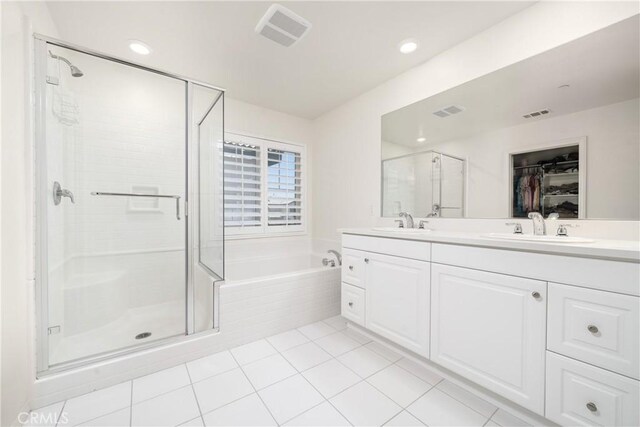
(490, 328)
(397, 296)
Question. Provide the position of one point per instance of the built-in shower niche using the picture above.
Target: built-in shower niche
(144, 204)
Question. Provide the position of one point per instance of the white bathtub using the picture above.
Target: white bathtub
(241, 270)
(265, 296)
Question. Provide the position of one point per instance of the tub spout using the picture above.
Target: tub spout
(337, 254)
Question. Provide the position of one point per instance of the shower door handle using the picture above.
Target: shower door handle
(162, 196)
(59, 193)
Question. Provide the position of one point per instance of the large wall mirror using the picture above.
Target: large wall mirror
(558, 133)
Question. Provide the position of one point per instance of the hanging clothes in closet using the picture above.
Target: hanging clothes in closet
(527, 192)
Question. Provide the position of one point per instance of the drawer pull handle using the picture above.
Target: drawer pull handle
(351, 267)
(592, 407)
(366, 260)
(593, 329)
(350, 304)
(535, 294)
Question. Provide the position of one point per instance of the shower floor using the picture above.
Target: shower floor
(162, 320)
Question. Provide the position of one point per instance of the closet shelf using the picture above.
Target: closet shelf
(560, 195)
(561, 174)
(565, 162)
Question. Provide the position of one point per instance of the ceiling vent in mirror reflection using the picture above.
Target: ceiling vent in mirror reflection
(537, 113)
(448, 111)
(282, 26)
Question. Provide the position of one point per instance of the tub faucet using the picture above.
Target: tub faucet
(538, 223)
(337, 254)
(408, 217)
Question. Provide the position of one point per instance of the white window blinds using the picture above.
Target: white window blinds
(284, 188)
(264, 186)
(242, 185)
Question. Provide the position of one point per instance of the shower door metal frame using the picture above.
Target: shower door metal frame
(42, 193)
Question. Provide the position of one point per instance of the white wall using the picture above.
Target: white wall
(17, 239)
(252, 120)
(346, 151)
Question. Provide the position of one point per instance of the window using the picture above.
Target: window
(263, 188)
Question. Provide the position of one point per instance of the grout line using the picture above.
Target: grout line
(103, 415)
(490, 416)
(195, 396)
(318, 391)
(131, 405)
(64, 404)
(253, 387)
(468, 406)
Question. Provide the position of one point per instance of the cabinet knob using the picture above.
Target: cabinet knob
(592, 407)
(366, 260)
(535, 294)
(593, 329)
(350, 304)
(351, 267)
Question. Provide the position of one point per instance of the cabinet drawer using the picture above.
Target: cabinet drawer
(595, 326)
(353, 267)
(581, 394)
(389, 246)
(352, 303)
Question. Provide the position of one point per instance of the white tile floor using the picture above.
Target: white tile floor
(318, 375)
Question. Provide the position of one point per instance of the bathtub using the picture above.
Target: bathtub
(241, 270)
(264, 296)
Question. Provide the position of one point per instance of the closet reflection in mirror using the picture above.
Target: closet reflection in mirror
(558, 133)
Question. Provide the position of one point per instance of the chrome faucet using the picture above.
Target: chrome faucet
(538, 223)
(408, 217)
(337, 254)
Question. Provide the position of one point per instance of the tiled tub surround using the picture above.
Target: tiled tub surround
(319, 374)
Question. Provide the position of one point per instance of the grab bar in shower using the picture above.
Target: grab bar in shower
(163, 196)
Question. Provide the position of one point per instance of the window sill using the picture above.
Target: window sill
(264, 235)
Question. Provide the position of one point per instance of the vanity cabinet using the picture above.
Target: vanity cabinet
(557, 334)
(491, 328)
(388, 293)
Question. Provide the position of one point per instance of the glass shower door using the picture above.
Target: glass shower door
(113, 186)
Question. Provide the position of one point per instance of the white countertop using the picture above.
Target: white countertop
(619, 250)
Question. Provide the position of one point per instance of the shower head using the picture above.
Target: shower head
(75, 71)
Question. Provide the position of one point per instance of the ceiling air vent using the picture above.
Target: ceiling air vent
(537, 113)
(448, 111)
(282, 26)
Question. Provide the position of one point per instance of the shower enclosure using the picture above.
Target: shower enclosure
(425, 184)
(128, 204)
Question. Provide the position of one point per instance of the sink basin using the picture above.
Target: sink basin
(402, 230)
(534, 238)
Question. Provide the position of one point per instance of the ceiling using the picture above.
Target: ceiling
(601, 68)
(351, 48)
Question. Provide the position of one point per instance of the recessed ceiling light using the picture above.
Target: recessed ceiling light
(139, 47)
(421, 139)
(408, 46)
